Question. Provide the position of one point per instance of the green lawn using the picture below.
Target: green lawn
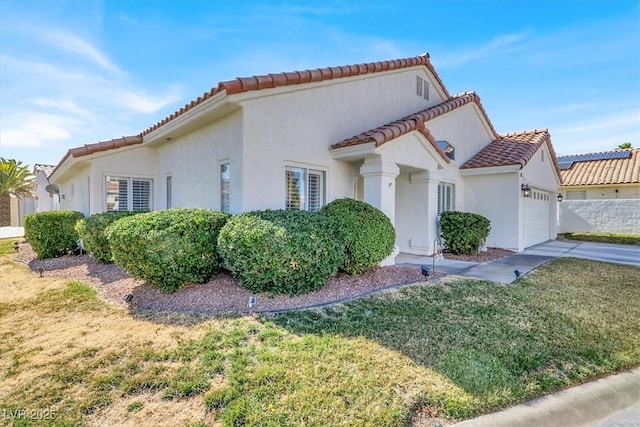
(621, 239)
(454, 350)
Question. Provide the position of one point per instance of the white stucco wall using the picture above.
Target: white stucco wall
(296, 128)
(623, 191)
(610, 216)
(496, 197)
(43, 200)
(193, 162)
(75, 191)
(539, 172)
(464, 129)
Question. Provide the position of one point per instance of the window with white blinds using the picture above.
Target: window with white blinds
(225, 183)
(141, 195)
(446, 197)
(305, 189)
(128, 194)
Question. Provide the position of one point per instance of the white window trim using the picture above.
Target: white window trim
(130, 180)
(307, 168)
(221, 163)
(442, 185)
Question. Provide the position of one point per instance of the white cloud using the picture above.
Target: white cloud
(72, 43)
(35, 129)
(500, 44)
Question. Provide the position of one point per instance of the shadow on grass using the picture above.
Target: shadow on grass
(571, 322)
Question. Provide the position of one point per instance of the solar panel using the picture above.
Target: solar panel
(565, 165)
(605, 155)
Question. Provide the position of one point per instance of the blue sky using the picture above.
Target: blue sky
(76, 72)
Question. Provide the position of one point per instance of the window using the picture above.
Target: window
(446, 196)
(169, 190)
(425, 92)
(418, 85)
(225, 182)
(128, 194)
(448, 149)
(304, 189)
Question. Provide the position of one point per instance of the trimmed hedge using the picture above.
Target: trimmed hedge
(464, 232)
(92, 232)
(168, 248)
(366, 233)
(283, 251)
(52, 234)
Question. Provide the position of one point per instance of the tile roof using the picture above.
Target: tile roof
(512, 149)
(602, 172)
(46, 169)
(267, 81)
(99, 146)
(416, 121)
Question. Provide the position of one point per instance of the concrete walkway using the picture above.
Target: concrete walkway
(504, 269)
(610, 401)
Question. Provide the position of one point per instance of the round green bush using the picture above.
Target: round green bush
(92, 232)
(291, 252)
(366, 233)
(168, 248)
(52, 234)
(463, 232)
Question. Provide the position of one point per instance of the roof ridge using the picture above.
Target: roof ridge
(268, 81)
(525, 132)
(391, 130)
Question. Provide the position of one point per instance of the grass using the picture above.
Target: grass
(454, 350)
(590, 236)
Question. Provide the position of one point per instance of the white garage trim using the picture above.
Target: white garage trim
(537, 217)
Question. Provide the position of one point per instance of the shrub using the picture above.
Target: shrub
(168, 248)
(92, 232)
(366, 233)
(281, 251)
(463, 232)
(52, 233)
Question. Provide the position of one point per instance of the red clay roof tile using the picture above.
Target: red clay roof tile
(415, 121)
(245, 84)
(603, 172)
(512, 149)
(99, 146)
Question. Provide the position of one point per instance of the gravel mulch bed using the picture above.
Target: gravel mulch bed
(490, 254)
(221, 295)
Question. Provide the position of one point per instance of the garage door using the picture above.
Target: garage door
(537, 226)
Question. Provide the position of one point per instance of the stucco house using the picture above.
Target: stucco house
(601, 192)
(604, 175)
(44, 200)
(388, 133)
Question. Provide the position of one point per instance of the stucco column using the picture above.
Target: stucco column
(380, 191)
(379, 185)
(429, 191)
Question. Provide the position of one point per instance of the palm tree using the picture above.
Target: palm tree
(16, 180)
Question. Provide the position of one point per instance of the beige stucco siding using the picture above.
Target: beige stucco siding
(193, 162)
(464, 129)
(297, 128)
(496, 197)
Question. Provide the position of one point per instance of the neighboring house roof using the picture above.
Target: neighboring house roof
(47, 170)
(602, 168)
(512, 149)
(415, 121)
(267, 81)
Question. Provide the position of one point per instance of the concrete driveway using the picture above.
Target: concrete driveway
(509, 268)
(11, 232)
